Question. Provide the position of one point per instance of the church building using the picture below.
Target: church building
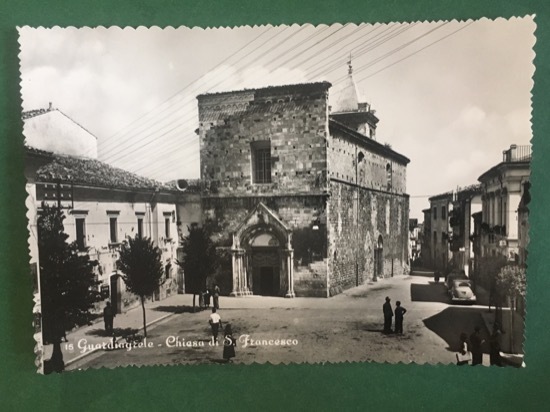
(303, 200)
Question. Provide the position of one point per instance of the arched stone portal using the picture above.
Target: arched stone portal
(262, 256)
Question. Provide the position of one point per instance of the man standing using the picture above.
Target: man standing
(399, 313)
(475, 346)
(108, 316)
(216, 297)
(388, 315)
(215, 323)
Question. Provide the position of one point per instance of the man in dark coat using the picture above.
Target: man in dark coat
(475, 346)
(388, 315)
(108, 316)
(399, 313)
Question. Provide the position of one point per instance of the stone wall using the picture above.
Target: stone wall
(292, 120)
(357, 217)
(305, 215)
(371, 171)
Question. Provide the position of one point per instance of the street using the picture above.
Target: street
(347, 327)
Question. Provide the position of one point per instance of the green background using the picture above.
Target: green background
(297, 387)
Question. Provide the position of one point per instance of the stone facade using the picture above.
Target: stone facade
(303, 204)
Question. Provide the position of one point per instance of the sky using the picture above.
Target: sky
(451, 96)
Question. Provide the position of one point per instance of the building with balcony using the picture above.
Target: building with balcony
(103, 205)
(504, 186)
(305, 201)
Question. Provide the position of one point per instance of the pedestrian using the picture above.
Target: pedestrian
(494, 348)
(399, 313)
(216, 297)
(229, 344)
(475, 346)
(215, 323)
(463, 356)
(108, 316)
(388, 315)
(207, 298)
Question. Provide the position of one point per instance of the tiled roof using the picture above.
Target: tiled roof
(33, 113)
(92, 172)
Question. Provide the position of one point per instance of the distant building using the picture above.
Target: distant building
(426, 252)
(441, 205)
(415, 240)
(466, 202)
(306, 202)
(503, 187)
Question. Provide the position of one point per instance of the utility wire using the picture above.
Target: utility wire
(195, 80)
(110, 157)
(193, 117)
(416, 52)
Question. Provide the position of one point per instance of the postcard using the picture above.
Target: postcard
(278, 194)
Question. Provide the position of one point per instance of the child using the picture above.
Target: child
(229, 344)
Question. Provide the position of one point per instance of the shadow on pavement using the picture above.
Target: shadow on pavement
(451, 322)
(179, 309)
(116, 331)
(433, 292)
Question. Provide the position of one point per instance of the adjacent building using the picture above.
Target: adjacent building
(504, 222)
(103, 205)
(485, 219)
(305, 201)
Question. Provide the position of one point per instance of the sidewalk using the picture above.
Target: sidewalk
(509, 318)
(88, 336)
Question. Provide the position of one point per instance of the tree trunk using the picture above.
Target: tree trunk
(511, 302)
(144, 320)
(56, 361)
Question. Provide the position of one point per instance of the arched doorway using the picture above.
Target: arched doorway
(379, 258)
(262, 256)
(264, 264)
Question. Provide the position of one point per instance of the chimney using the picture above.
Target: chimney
(50, 107)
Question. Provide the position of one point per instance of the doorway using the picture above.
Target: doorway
(267, 281)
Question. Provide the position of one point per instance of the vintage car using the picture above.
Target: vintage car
(452, 276)
(462, 291)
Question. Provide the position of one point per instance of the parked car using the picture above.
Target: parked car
(454, 275)
(462, 291)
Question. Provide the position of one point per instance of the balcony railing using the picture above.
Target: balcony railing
(517, 154)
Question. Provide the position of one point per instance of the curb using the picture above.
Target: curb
(83, 355)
